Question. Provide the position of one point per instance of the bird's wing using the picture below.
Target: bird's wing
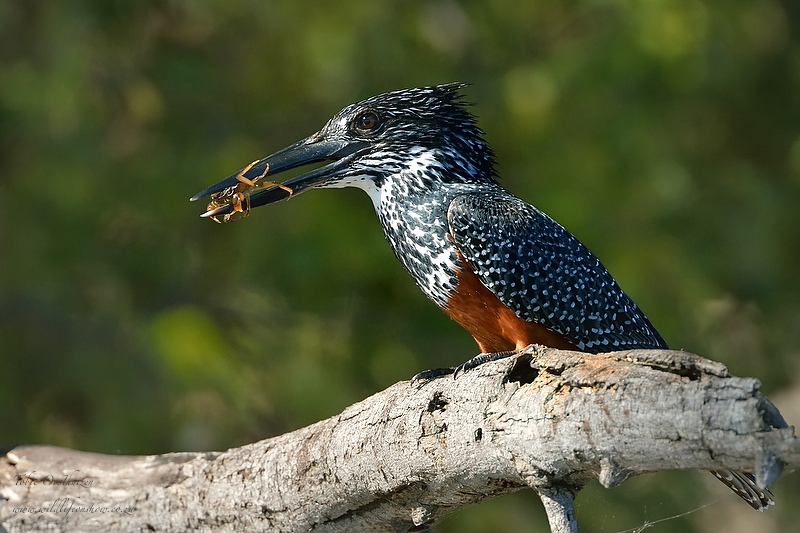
(545, 275)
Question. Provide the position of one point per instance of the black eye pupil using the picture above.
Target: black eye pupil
(368, 121)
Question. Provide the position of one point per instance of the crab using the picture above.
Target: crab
(238, 196)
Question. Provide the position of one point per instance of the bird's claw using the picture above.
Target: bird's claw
(478, 360)
(429, 375)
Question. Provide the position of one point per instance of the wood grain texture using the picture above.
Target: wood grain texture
(406, 456)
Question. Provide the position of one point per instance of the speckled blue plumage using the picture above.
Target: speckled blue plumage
(544, 274)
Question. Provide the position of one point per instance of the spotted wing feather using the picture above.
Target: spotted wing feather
(545, 275)
(744, 485)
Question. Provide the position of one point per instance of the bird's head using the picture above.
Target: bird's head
(424, 133)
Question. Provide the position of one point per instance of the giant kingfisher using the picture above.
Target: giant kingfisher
(500, 267)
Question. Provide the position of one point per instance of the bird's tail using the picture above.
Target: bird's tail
(744, 485)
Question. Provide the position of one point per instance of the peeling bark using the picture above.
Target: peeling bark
(404, 457)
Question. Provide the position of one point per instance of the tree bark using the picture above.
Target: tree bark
(399, 460)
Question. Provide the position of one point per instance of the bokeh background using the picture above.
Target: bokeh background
(665, 134)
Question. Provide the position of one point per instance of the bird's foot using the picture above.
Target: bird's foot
(480, 359)
(428, 375)
(476, 361)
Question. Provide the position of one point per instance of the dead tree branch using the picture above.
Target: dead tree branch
(401, 459)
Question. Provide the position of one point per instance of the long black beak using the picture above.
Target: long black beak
(310, 150)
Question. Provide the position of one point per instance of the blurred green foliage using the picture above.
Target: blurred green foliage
(664, 133)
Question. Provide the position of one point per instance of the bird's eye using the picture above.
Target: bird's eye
(367, 121)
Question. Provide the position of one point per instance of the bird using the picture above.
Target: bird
(500, 267)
